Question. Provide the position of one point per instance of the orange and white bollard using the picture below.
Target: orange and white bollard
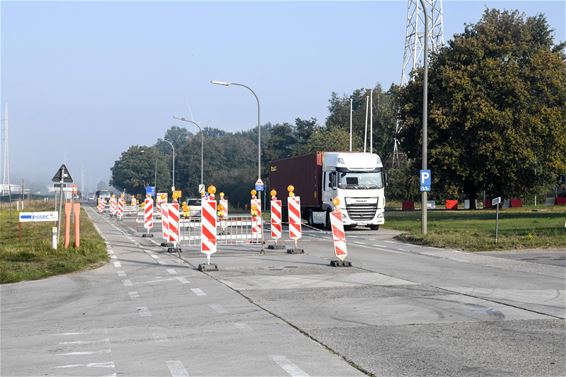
(276, 223)
(148, 216)
(208, 226)
(338, 236)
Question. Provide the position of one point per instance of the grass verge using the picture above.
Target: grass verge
(33, 258)
(521, 228)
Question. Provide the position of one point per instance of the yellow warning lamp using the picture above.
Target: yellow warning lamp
(220, 210)
(221, 195)
(291, 188)
(163, 196)
(211, 190)
(273, 194)
(336, 202)
(253, 192)
(254, 210)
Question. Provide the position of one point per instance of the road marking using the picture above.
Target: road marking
(134, 294)
(83, 353)
(157, 281)
(117, 264)
(242, 326)
(163, 263)
(177, 369)
(154, 256)
(108, 364)
(182, 280)
(391, 242)
(288, 366)
(218, 308)
(160, 338)
(172, 271)
(121, 273)
(127, 283)
(70, 333)
(143, 311)
(112, 256)
(105, 340)
(198, 292)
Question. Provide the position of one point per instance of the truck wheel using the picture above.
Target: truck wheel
(309, 218)
(374, 227)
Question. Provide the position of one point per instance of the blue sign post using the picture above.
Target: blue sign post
(150, 190)
(425, 180)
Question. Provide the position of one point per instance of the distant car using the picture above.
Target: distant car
(194, 206)
(91, 198)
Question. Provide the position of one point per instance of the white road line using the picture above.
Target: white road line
(105, 340)
(127, 283)
(182, 280)
(69, 333)
(154, 256)
(288, 366)
(242, 326)
(218, 308)
(83, 353)
(159, 338)
(198, 292)
(177, 369)
(134, 294)
(117, 264)
(108, 364)
(172, 271)
(121, 273)
(143, 311)
(390, 241)
(112, 256)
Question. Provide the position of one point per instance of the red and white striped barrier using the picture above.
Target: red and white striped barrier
(276, 227)
(165, 221)
(161, 198)
(208, 228)
(295, 230)
(148, 214)
(120, 211)
(101, 205)
(173, 220)
(113, 206)
(338, 235)
(257, 223)
(224, 203)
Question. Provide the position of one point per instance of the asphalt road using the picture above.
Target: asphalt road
(400, 310)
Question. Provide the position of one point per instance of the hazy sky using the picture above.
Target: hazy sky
(85, 80)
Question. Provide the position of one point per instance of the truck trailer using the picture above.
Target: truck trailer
(357, 179)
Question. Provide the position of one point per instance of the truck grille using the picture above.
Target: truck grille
(361, 212)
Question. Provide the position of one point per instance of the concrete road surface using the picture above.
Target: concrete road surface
(400, 310)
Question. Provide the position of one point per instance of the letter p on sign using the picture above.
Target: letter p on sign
(425, 180)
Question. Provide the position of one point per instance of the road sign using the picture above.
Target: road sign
(259, 185)
(425, 180)
(62, 175)
(200, 188)
(150, 190)
(496, 201)
(26, 217)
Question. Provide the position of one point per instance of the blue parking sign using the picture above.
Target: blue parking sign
(425, 180)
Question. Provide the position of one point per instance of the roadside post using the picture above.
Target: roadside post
(208, 237)
(276, 224)
(62, 176)
(295, 229)
(495, 202)
(257, 220)
(338, 236)
(174, 223)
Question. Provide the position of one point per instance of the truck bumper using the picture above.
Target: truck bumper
(379, 219)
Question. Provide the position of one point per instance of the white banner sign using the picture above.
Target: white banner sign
(26, 217)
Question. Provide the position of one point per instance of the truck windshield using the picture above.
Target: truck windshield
(360, 180)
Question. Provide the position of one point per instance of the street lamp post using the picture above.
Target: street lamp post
(258, 121)
(172, 147)
(201, 148)
(425, 120)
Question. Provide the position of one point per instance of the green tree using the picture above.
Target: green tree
(331, 140)
(136, 169)
(281, 142)
(497, 108)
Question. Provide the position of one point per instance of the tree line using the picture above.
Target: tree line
(497, 123)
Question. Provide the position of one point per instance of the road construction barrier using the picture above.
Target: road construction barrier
(230, 231)
(148, 214)
(276, 227)
(165, 221)
(257, 221)
(208, 228)
(120, 211)
(338, 235)
(130, 211)
(101, 205)
(294, 206)
(161, 198)
(173, 222)
(113, 205)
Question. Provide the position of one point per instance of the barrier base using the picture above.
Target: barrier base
(295, 251)
(166, 244)
(276, 247)
(207, 267)
(174, 250)
(147, 235)
(339, 263)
